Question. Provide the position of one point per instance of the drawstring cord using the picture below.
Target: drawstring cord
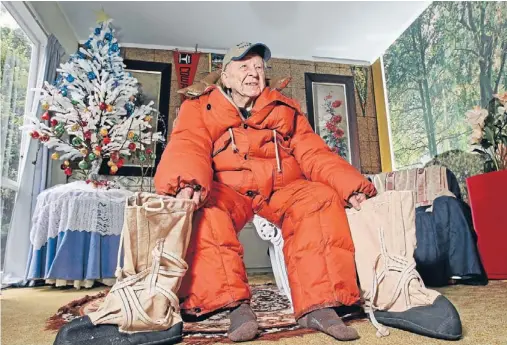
(233, 143)
(276, 151)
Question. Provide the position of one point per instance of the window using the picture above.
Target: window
(22, 45)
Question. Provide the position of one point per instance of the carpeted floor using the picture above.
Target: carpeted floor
(482, 308)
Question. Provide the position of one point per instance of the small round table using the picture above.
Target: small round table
(75, 234)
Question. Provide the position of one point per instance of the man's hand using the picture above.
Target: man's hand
(356, 199)
(189, 193)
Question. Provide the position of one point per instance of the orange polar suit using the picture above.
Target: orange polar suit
(274, 165)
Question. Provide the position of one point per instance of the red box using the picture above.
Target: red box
(488, 201)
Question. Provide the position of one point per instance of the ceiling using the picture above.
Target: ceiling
(348, 31)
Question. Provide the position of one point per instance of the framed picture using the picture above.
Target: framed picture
(154, 85)
(215, 61)
(332, 113)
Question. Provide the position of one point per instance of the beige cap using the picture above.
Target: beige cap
(239, 51)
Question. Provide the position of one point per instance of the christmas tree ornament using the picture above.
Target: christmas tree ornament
(59, 127)
(74, 102)
(148, 151)
(34, 135)
(74, 128)
(97, 153)
(106, 140)
(54, 122)
(114, 156)
(110, 163)
(83, 123)
(83, 165)
(91, 76)
(87, 135)
(55, 156)
(45, 116)
(68, 171)
(103, 106)
(136, 137)
(147, 118)
(153, 156)
(114, 169)
(104, 132)
(84, 151)
(45, 106)
(98, 148)
(44, 138)
(108, 36)
(59, 132)
(130, 135)
(92, 157)
(109, 108)
(120, 163)
(77, 141)
(66, 163)
(132, 146)
(142, 157)
(97, 31)
(115, 47)
(70, 78)
(64, 92)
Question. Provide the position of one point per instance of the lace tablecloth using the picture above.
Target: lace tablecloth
(75, 234)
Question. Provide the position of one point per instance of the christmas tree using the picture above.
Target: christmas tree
(91, 111)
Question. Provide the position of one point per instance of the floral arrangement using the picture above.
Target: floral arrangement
(489, 132)
(333, 135)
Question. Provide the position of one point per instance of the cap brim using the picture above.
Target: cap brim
(260, 47)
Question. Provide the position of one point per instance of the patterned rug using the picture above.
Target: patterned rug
(273, 310)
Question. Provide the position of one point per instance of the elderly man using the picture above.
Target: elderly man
(243, 149)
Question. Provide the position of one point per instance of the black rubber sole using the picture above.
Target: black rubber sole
(82, 331)
(439, 320)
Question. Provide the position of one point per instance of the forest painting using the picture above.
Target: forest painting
(452, 58)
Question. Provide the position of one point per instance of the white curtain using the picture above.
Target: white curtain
(34, 178)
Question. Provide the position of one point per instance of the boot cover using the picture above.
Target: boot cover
(155, 237)
(384, 237)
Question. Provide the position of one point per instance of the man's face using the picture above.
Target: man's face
(245, 77)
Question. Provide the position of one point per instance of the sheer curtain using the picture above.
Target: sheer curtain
(35, 172)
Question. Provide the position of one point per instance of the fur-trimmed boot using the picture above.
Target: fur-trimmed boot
(142, 307)
(394, 294)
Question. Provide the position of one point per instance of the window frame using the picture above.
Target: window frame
(28, 23)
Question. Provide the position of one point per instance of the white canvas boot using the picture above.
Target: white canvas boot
(394, 294)
(142, 307)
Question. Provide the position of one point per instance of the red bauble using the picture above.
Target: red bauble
(115, 156)
(106, 140)
(68, 171)
(54, 122)
(120, 163)
(45, 116)
(132, 146)
(83, 123)
(88, 135)
(103, 106)
(98, 148)
(149, 151)
(44, 138)
(35, 135)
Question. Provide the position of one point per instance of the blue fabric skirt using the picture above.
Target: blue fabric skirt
(75, 255)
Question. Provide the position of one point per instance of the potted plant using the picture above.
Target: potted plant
(488, 191)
